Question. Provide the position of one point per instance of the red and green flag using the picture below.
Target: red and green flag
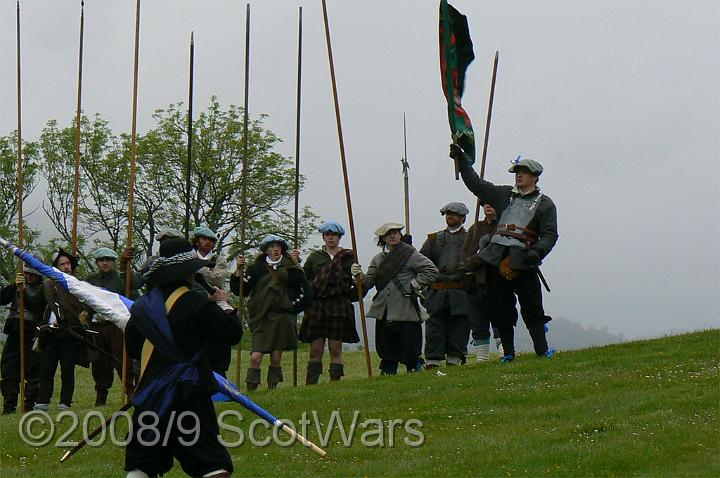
(456, 53)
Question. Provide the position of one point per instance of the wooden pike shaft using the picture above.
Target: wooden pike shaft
(297, 163)
(95, 432)
(131, 200)
(487, 130)
(406, 179)
(21, 286)
(243, 197)
(76, 191)
(351, 223)
(188, 173)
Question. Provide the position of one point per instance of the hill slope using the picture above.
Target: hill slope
(638, 408)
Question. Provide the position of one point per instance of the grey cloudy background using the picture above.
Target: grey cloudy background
(620, 101)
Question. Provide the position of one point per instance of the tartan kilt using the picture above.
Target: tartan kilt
(329, 318)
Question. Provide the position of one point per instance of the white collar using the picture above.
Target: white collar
(453, 231)
(272, 263)
(206, 258)
(332, 256)
(515, 190)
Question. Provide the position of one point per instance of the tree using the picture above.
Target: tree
(217, 175)
(102, 199)
(160, 193)
(9, 200)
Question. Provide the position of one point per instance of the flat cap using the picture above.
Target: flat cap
(201, 231)
(169, 233)
(273, 239)
(387, 227)
(455, 208)
(104, 252)
(534, 167)
(331, 226)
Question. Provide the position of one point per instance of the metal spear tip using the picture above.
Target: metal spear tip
(65, 456)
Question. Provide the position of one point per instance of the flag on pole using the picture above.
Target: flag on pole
(111, 306)
(456, 53)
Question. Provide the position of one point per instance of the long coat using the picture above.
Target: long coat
(398, 302)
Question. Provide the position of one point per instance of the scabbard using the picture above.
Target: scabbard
(542, 279)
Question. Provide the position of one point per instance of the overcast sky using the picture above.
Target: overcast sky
(620, 102)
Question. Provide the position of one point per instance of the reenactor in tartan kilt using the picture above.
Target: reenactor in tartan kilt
(331, 315)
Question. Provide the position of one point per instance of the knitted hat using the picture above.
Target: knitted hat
(201, 231)
(331, 226)
(168, 233)
(532, 165)
(455, 208)
(387, 227)
(104, 253)
(273, 239)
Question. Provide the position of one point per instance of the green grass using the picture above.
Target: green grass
(646, 408)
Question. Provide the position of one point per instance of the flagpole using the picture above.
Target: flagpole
(76, 191)
(188, 173)
(406, 179)
(21, 286)
(133, 155)
(351, 223)
(487, 129)
(297, 164)
(243, 197)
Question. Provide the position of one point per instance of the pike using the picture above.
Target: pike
(21, 286)
(351, 223)
(76, 191)
(297, 163)
(228, 392)
(487, 130)
(133, 155)
(116, 308)
(190, 137)
(406, 180)
(243, 194)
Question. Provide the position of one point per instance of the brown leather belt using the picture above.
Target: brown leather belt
(528, 236)
(446, 285)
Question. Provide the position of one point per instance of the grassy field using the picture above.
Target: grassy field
(646, 408)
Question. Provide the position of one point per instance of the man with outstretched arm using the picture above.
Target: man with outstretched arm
(526, 233)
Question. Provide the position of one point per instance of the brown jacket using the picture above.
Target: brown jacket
(471, 262)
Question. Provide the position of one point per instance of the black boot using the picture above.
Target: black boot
(274, 376)
(336, 372)
(101, 398)
(314, 369)
(10, 390)
(507, 336)
(252, 378)
(537, 333)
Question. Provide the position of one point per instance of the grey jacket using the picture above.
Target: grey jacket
(445, 251)
(399, 303)
(544, 222)
(218, 275)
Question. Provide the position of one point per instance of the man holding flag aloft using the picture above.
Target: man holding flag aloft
(525, 234)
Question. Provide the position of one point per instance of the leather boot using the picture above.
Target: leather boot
(274, 376)
(314, 369)
(101, 398)
(252, 378)
(337, 371)
(537, 333)
(10, 390)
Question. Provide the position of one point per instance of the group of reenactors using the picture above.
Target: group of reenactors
(464, 284)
